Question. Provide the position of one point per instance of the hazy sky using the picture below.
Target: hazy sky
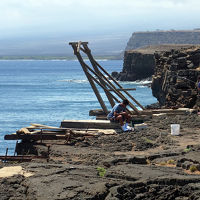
(34, 17)
(94, 19)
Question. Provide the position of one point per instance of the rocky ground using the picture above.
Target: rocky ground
(143, 164)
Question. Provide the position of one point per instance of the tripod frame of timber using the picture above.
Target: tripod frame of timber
(97, 75)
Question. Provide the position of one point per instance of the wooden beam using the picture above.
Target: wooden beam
(119, 85)
(97, 124)
(89, 79)
(23, 158)
(75, 43)
(111, 86)
(123, 89)
(34, 137)
(179, 111)
(88, 52)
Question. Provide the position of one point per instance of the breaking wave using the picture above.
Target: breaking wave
(74, 81)
(141, 82)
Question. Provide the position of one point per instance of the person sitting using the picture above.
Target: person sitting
(119, 114)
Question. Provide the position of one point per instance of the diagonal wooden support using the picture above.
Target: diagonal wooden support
(110, 77)
(88, 52)
(75, 46)
(98, 76)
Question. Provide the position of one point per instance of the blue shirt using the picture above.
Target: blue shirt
(118, 108)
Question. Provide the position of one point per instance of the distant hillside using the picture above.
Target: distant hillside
(141, 39)
(108, 46)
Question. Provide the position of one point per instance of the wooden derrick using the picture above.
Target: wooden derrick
(70, 129)
(102, 78)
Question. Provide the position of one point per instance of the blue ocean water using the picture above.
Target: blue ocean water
(48, 92)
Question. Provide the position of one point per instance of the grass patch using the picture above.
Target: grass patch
(171, 162)
(101, 171)
(186, 150)
(193, 168)
(147, 140)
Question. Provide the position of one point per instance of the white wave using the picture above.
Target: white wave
(101, 60)
(141, 86)
(98, 60)
(74, 81)
(142, 82)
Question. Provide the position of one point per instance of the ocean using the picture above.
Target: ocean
(49, 91)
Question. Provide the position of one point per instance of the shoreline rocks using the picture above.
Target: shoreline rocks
(174, 82)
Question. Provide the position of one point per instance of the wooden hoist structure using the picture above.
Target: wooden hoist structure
(97, 75)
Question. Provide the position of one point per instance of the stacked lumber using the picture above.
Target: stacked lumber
(146, 114)
(41, 132)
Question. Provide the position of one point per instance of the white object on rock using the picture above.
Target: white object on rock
(140, 126)
(175, 129)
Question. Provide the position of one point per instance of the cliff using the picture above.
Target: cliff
(136, 66)
(175, 77)
(141, 39)
(138, 56)
(139, 64)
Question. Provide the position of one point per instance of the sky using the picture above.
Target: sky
(94, 20)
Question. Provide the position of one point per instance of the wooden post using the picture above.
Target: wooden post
(88, 52)
(16, 147)
(113, 88)
(119, 85)
(6, 154)
(89, 79)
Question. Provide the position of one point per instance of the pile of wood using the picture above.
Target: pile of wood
(77, 128)
(175, 77)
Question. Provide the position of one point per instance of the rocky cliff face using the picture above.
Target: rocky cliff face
(139, 64)
(141, 39)
(136, 66)
(175, 77)
(138, 57)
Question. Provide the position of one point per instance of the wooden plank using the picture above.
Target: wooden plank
(96, 112)
(122, 89)
(24, 131)
(47, 135)
(89, 132)
(34, 137)
(76, 43)
(45, 127)
(24, 158)
(180, 111)
(98, 124)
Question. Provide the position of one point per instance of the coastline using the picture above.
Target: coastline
(143, 164)
(103, 57)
